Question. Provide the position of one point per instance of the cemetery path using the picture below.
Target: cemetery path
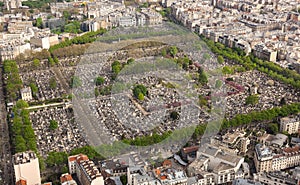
(138, 105)
(61, 78)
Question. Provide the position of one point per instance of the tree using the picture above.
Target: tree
(56, 158)
(99, 80)
(51, 61)
(174, 115)
(56, 61)
(173, 50)
(218, 84)
(252, 100)
(73, 27)
(141, 96)
(202, 79)
(164, 52)
(76, 82)
(20, 144)
(66, 15)
(53, 125)
(52, 83)
(36, 63)
(34, 88)
(274, 128)
(227, 70)
(202, 101)
(123, 179)
(21, 104)
(220, 59)
(116, 67)
(87, 150)
(129, 61)
(139, 89)
(39, 23)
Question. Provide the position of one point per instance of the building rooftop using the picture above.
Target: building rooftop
(292, 150)
(24, 157)
(263, 152)
(90, 169)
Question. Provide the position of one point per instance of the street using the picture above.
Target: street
(6, 170)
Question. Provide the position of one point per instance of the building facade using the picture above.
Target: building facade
(26, 167)
(290, 125)
(86, 171)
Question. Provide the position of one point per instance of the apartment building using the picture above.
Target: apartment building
(263, 158)
(85, 170)
(19, 26)
(266, 160)
(290, 124)
(67, 179)
(26, 94)
(277, 178)
(10, 49)
(44, 41)
(216, 166)
(26, 167)
(265, 53)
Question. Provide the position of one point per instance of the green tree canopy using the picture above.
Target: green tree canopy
(220, 59)
(99, 80)
(202, 77)
(56, 158)
(140, 90)
(227, 70)
(141, 96)
(173, 50)
(39, 23)
(76, 82)
(274, 128)
(174, 115)
(129, 61)
(36, 63)
(218, 84)
(52, 83)
(252, 100)
(53, 125)
(116, 67)
(34, 88)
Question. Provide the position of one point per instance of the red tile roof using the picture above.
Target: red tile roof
(292, 150)
(21, 182)
(65, 178)
(190, 149)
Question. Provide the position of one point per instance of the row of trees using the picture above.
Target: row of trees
(184, 62)
(117, 66)
(252, 99)
(55, 159)
(69, 51)
(251, 62)
(37, 4)
(84, 39)
(61, 158)
(238, 120)
(12, 79)
(22, 133)
(147, 140)
(169, 51)
(31, 55)
(254, 117)
(72, 27)
(53, 61)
